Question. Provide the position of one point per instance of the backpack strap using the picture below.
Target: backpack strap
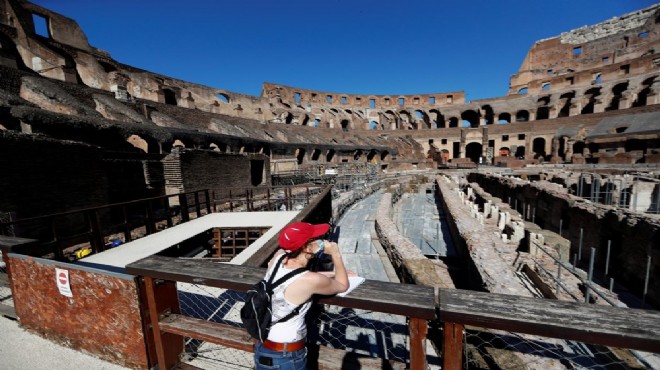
(282, 280)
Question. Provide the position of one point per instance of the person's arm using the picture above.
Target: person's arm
(326, 285)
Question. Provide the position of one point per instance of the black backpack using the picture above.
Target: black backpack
(256, 315)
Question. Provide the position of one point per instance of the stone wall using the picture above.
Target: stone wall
(102, 317)
(634, 236)
(411, 265)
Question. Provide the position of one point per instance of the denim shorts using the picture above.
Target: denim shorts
(265, 359)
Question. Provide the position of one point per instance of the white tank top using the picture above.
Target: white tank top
(293, 329)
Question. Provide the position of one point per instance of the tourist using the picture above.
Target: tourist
(285, 347)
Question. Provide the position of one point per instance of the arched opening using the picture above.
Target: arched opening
(473, 151)
(635, 144)
(344, 124)
(453, 122)
(489, 115)
(522, 116)
(316, 154)
(566, 108)
(373, 125)
(590, 95)
(504, 151)
(169, 96)
(439, 118)
(384, 155)
(288, 118)
(546, 86)
(642, 96)
(578, 147)
(138, 143)
(305, 120)
(107, 67)
(538, 147)
(256, 172)
(371, 155)
(358, 153)
(223, 97)
(542, 113)
(300, 155)
(617, 94)
(504, 118)
(520, 152)
(407, 121)
(471, 117)
(330, 155)
(522, 91)
(562, 148)
(424, 117)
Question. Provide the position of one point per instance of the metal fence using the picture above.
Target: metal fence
(632, 192)
(486, 349)
(363, 332)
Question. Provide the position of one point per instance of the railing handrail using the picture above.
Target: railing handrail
(596, 324)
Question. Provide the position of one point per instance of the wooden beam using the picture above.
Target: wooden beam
(452, 352)
(417, 329)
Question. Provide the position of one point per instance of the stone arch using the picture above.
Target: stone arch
(288, 117)
(223, 97)
(504, 151)
(538, 147)
(424, 117)
(316, 153)
(542, 113)
(357, 155)
(305, 120)
(453, 121)
(522, 116)
(330, 155)
(489, 115)
(406, 120)
(504, 118)
(590, 98)
(565, 109)
(300, 155)
(345, 124)
(642, 96)
(384, 155)
(617, 94)
(372, 154)
(473, 151)
(472, 117)
(439, 118)
(393, 119)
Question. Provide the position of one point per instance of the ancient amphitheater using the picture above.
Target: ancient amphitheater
(569, 160)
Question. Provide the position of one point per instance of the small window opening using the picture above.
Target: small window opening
(545, 86)
(430, 141)
(521, 136)
(606, 59)
(443, 141)
(431, 99)
(343, 100)
(40, 25)
(387, 101)
(522, 91)
(643, 34)
(620, 130)
(598, 78)
(505, 137)
(415, 101)
(329, 99)
(314, 97)
(550, 71)
(358, 100)
(296, 97)
(317, 122)
(625, 69)
(450, 99)
(569, 80)
(402, 101)
(372, 103)
(577, 51)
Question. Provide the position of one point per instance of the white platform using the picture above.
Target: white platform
(151, 244)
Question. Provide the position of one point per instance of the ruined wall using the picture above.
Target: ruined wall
(411, 265)
(102, 318)
(633, 236)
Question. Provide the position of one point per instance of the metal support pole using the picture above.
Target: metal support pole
(591, 274)
(646, 279)
(534, 215)
(635, 192)
(579, 186)
(561, 224)
(611, 285)
(558, 272)
(580, 245)
(607, 258)
(574, 262)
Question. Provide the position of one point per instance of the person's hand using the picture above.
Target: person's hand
(331, 248)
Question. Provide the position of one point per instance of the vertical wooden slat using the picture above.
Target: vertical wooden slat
(150, 223)
(95, 229)
(154, 315)
(166, 209)
(127, 227)
(198, 208)
(208, 201)
(418, 330)
(453, 346)
(183, 203)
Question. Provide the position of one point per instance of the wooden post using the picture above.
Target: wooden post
(162, 298)
(198, 209)
(127, 227)
(453, 346)
(183, 203)
(208, 201)
(95, 229)
(418, 330)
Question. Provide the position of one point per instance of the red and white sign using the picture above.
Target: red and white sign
(62, 279)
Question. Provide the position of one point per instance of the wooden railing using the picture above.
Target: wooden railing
(449, 309)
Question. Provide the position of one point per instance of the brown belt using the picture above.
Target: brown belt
(284, 347)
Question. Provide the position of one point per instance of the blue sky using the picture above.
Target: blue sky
(355, 47)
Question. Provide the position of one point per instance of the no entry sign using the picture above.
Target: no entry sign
(62, 279)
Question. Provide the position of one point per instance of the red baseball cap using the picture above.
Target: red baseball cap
(298, 234)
